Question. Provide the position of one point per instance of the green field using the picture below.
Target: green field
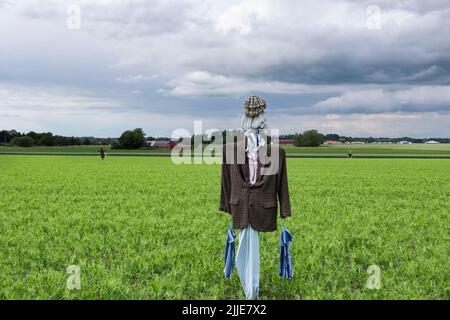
(356, 149)
(144, 228)
(376, 149)
(76, 149)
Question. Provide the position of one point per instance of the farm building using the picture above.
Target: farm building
(431, 142)
(332, 142)
(404, 142)
(164, 145)
(289, 141)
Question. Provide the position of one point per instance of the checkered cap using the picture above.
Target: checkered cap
(254, 105)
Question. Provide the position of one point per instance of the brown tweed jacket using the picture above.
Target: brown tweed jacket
(254, 204)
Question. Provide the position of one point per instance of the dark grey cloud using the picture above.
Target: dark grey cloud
(187, 59)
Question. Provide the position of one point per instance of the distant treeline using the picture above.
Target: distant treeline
(13, 137)
(336, 137)
(136, 139)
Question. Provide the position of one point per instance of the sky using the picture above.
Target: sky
(97, 68)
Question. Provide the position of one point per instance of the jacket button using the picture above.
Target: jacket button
(251, 204)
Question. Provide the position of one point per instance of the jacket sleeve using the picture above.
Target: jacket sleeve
(225, 188)
(282, 187)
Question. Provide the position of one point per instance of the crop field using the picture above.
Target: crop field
(77, 149)
(374, 148)
(143, 228)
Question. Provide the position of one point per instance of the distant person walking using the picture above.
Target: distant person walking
(102, 153)
(349, 154)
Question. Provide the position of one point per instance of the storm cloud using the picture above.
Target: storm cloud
(317, 63)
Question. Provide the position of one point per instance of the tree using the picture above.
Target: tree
(13, 133)
(4, 137)
(309, 138)
(297, 140)
(47, 139)
(33, 135)
(7, 136)
(74, 141)
(22, 141)
(60, 141)
(116, 145)
(332, 136)
(132, 139)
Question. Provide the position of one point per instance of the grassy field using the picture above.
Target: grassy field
(388, 149)
(376, 149)
(146, 229)
(77, 149)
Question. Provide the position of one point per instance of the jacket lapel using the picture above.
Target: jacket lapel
(243, 167)
(245, 170)
(258, 171)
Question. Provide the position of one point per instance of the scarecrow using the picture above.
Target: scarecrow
(250, 192)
